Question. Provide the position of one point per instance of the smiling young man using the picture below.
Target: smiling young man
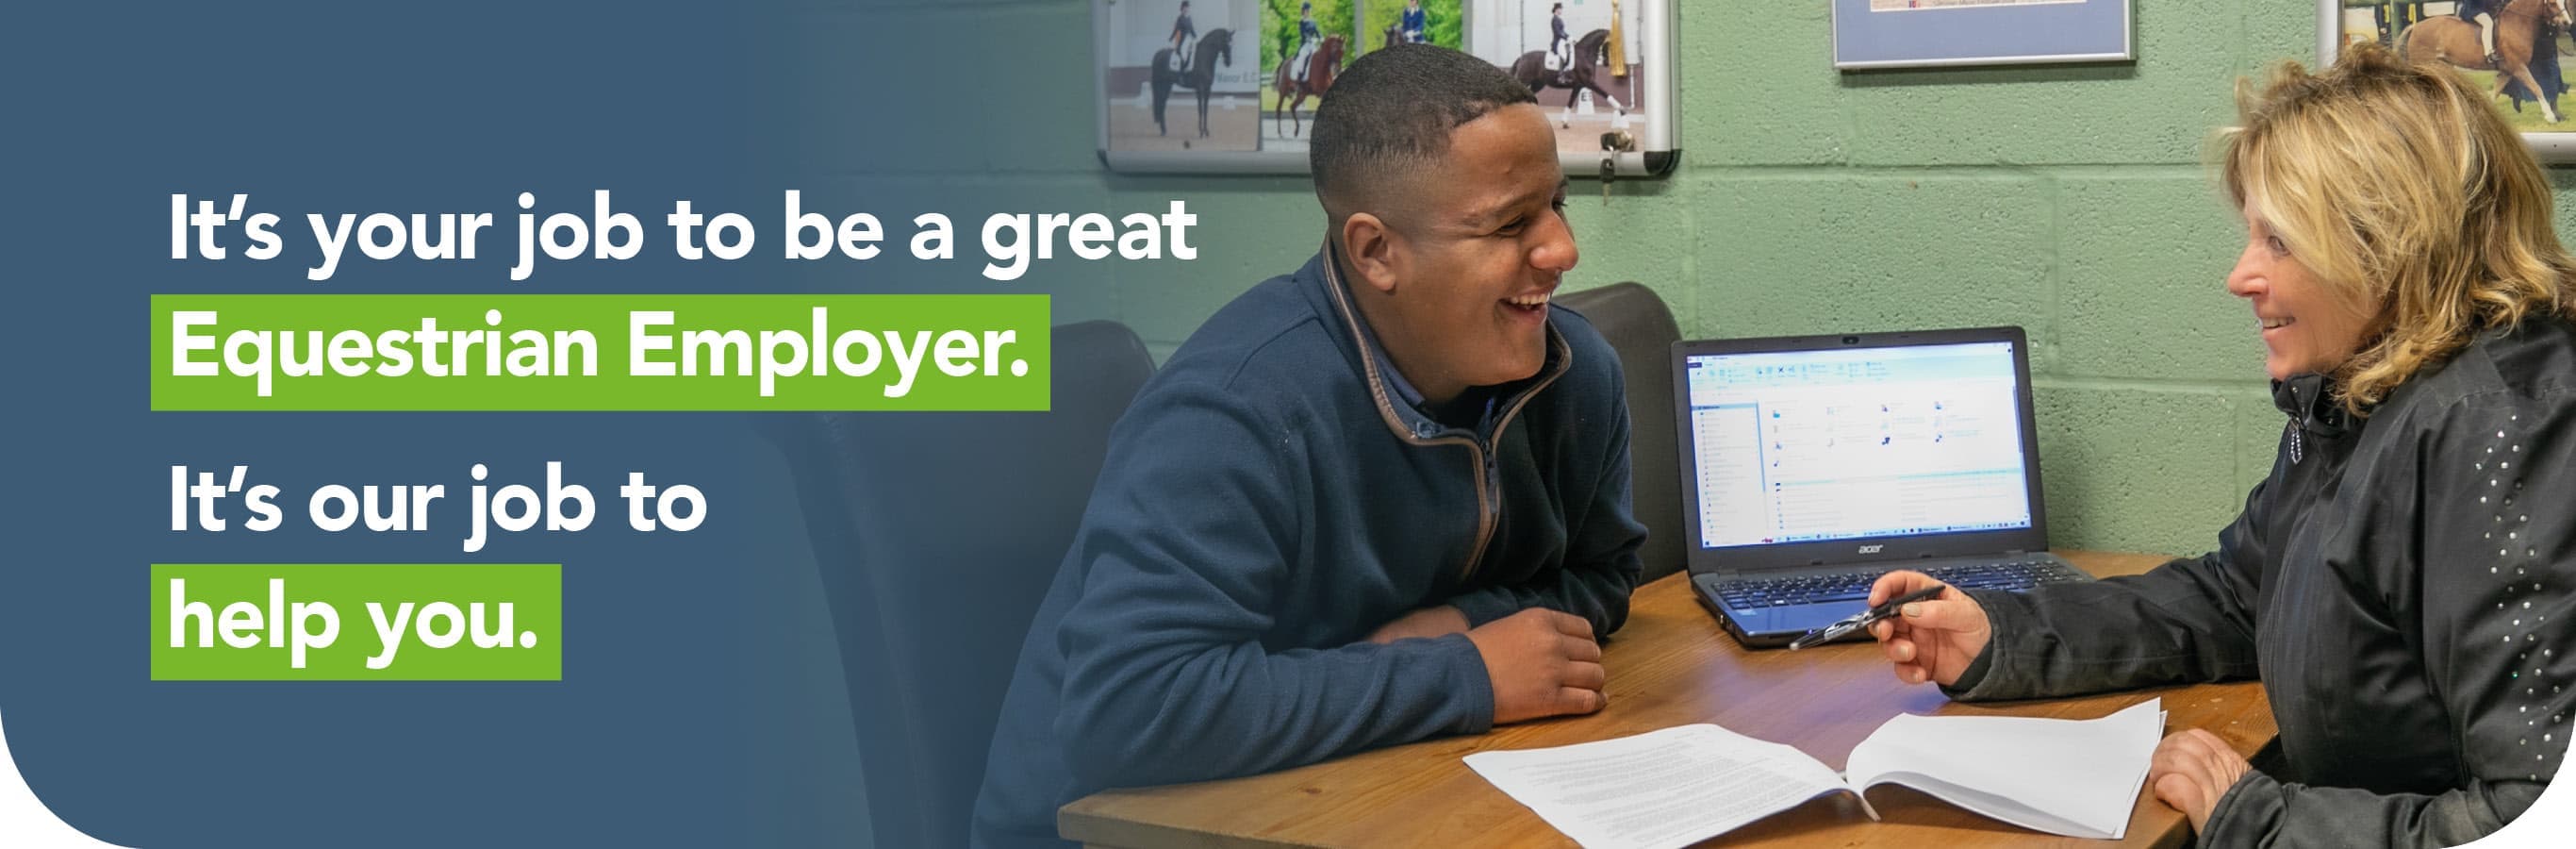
(1379, 499)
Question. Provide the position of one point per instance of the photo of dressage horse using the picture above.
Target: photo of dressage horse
(1387, 23)
(1180, 75)
(2512, 48)
(1216, 49)
(1580, 58)
(1304, 45)
(1576, 77)
(1294, 88)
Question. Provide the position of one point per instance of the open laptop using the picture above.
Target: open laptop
(1811, 465)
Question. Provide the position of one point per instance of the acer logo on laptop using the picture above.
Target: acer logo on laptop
(1872, 549)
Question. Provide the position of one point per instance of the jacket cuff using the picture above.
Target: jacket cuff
(1965, 689)
(1471, 687)
(1482, 606)
(1991, 666)
(2245, 814)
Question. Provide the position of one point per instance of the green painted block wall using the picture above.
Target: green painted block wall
(2070, 200)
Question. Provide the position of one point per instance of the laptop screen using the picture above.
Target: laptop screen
(1848, 443)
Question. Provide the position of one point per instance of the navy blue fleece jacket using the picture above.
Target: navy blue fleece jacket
(1268, 502)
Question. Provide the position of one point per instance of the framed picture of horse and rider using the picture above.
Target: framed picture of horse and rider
(1232, 85)
(2510, 48)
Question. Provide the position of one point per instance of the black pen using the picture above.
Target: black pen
(1865, 618)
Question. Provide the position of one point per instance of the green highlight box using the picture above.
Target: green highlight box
(600, 352)
(257, 622)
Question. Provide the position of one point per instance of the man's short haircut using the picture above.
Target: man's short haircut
(1389, 117)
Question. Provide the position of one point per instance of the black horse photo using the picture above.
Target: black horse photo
(1199, 75)
(1531, 69)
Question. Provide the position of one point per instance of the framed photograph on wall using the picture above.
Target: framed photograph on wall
(1215, 86)
(1935, 33)
(2512, 49)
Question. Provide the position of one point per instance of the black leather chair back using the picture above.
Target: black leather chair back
(1642, 330)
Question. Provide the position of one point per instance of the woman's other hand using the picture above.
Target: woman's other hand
(2192, 770)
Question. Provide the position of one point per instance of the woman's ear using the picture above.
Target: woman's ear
(1372, 251)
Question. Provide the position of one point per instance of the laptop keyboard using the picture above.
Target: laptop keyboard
(2016, 574)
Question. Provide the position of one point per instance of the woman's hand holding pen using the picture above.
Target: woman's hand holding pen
(1931, 640)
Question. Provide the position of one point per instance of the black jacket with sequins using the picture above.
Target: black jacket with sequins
(2405, 586)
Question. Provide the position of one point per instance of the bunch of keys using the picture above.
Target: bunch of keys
(1613, 143)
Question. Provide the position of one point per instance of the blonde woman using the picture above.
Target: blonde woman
(2404, 583)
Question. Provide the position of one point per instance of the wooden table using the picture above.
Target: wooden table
(1671, 665)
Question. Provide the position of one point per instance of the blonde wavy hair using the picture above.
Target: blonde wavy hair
(2411, 202)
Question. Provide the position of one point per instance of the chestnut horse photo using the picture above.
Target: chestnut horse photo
(2448, 39)
(1320, 68)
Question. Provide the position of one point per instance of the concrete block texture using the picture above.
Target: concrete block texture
(2153, 110)
(2259, 427)
(2142, 287)
(1799, 253)
(1758, 86)
(1644, 234)
(2137, 469)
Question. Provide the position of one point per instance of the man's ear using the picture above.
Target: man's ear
(1372, 250)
